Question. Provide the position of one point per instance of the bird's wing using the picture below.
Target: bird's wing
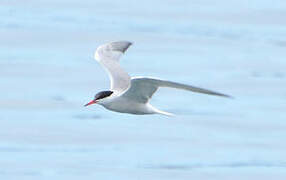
(142, 88)
(108, 56)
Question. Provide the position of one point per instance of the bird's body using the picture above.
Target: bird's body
(124, 105)
(131, 95)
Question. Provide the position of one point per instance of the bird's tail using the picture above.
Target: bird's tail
(165, 113)
(154, 110)
(157, 111)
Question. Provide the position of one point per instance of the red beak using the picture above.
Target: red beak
(90, 103)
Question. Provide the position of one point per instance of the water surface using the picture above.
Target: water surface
(47, 74)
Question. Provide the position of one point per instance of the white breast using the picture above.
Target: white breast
(123, 105)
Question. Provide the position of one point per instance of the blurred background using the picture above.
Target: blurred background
(47, 74)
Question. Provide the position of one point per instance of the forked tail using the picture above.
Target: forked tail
(165, 113)
(157, 111)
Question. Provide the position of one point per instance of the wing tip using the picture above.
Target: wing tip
(127, 46)
(121, 46)
(225, 96)
(117, 46)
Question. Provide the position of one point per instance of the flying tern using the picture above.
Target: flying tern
(131, 94)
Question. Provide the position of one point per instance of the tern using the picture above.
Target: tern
(132, 94)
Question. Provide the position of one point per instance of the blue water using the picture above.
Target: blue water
(47, 74)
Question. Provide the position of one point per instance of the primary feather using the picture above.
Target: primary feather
(143, 88)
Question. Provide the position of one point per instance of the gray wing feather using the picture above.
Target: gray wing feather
(108, 56)
(143, 88)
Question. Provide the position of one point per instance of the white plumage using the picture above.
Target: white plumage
(132, 95)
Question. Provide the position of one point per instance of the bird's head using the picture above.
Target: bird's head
(100, 97)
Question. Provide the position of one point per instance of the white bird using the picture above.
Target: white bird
(131, 95)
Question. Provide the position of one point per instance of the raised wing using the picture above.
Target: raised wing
(143, 88)
(108, 56)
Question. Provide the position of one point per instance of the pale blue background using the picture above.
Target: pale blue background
(47, 74)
